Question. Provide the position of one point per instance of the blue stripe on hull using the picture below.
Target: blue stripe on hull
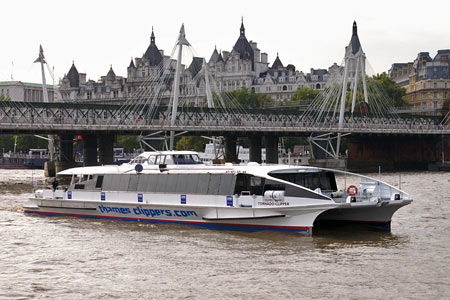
(209, 225)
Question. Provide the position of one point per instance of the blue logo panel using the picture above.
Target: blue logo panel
(183, 199)
(69, 195)
(102, 196)
(229, 200)
(140, 197)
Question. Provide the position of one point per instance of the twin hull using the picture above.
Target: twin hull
(245, 213)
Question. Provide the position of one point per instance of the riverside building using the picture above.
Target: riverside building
(426, 80)
(25, 91)
(245, 66)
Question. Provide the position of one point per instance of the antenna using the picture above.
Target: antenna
(12, 70)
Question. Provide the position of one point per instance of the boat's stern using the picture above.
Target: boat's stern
(371, 202)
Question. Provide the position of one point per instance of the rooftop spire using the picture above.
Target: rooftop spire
(354, 42)
(152, 37)
(131, 64)
(111, 75)
(277, 63)
(242, 27)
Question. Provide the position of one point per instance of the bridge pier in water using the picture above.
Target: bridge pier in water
(90, 150)
(255, 149)
(65, 157)
(271, 149)
(230, 149)
(105, 149)
(391, 153)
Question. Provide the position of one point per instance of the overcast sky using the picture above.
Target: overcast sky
(308, 34)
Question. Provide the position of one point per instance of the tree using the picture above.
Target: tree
(6, 143)
(194, 143)
(394, 92)
(291, 142)
(25, 143)
(303, 96)
(247, 99)
(127, 142)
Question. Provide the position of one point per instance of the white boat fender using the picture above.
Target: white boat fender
(274, 195)
(337, 194)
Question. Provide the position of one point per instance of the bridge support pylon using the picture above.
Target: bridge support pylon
(106, 149)
(230, 149)
(65, 157)
(271, 149)
(89, 150)
(255, 149)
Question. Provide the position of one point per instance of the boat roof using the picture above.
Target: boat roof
(249, 168)
(169, 152)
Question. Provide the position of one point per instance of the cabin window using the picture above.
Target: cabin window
(124, 182)
(213, 184)
(323, 180)
(99, 183)
(169, 160)
(186, 159)
(151, 159)
(248, 184)
(160, 159)
(256, 185)
(241, 184)
(272, 185)
(139, 160)
(79, 186)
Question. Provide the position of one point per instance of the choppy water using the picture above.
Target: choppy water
(70, 258)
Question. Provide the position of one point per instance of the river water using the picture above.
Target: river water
(70, 258)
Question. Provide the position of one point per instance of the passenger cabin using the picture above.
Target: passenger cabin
(167, 158)
(210, 183)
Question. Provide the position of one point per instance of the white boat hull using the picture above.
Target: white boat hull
(173, 187)
(377, 215)
(225, 218)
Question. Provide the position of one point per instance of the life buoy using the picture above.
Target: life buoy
(352, 190)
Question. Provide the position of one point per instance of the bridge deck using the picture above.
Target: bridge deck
(63, 117)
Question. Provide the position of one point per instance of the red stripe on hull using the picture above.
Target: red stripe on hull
(301, 228)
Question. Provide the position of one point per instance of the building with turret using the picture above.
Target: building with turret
(152, 76)
(246, 66)
(148, 77)
(75, 88)
(426, 80)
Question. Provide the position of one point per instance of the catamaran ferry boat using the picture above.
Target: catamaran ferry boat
(176, 187)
